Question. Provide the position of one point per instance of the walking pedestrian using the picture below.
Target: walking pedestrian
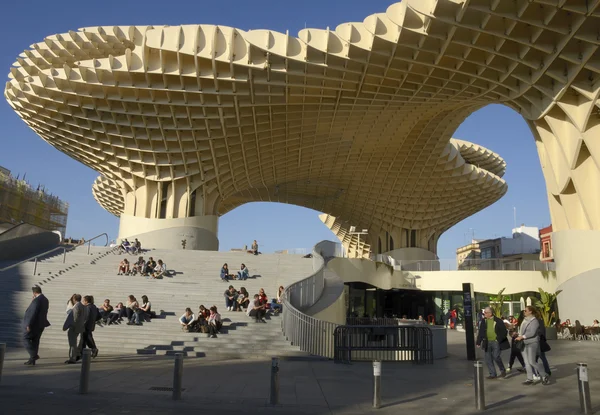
(34, 323)
(491, 337)
(87, 337)
(75, 324)
(528, 333)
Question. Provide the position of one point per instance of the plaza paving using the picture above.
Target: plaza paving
(120, 385)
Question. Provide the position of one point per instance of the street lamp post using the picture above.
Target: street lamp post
(353, 231)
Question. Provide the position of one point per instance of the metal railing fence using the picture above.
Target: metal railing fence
(412, 343)
(492, 264)
(312, 335)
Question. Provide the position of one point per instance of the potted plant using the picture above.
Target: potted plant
(497, 303)
(549, 311)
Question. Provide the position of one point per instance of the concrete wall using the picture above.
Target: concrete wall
(22, 247)
(406, 255)
(489, 282)
(382, 276)
(578, 268)
(336, 311)
(200, 232)
(374, 273)
(579, 299)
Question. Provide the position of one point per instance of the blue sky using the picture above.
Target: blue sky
(276, 226)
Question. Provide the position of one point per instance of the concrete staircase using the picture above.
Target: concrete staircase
(196, 281)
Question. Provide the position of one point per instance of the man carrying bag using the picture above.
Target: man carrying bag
(492, 338)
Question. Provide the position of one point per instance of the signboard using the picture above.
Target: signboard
(583, 373)
(376, 368)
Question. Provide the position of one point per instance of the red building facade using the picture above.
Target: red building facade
(546, 254)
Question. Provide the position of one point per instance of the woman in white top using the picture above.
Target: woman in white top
(187, 319)
(276, 302)
(159, 270)
(214, 322)
(71, 303)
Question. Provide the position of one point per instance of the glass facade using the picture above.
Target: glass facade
(364, 300)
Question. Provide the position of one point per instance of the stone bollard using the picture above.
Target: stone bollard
(479, 386)
(84, 377)
(274, 396)
(585, 400)
(376, 384)
(177, 376)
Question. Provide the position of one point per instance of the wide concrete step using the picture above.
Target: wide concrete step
(195, 282)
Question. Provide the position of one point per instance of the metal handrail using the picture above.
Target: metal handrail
(36, 259)
(311, 334)
(96, 237)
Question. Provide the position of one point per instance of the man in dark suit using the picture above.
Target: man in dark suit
(87, 337)
(34, 323)
(76, 328)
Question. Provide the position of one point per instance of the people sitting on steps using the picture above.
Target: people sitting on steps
(243, 299)
(187, 319)
(243, 273)
(254, 248)
(150, 265)
(124, 247)
(133, 308)
(231, 296)
(225, 274)
(123, 267)
(160, 270)
(276, 302)
(264, 300)
(136, 247)
(145, 310)
(257, 310)
(214, 323)
(139, 266)
(117, 314)
(105, 310)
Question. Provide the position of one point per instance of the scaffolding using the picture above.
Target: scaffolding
(19, 202)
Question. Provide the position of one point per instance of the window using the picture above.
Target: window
(546, 249)
(391, 243)
(413, 238)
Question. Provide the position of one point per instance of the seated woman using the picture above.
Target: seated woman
(264, 300)
(138, 267)
(243, 299)
(225, 275)
(256, 309)
(145, 309)
(595, 324)
(187, 319)
(276, 302)
(132, 311)
(116, 314)
(123, 267)
(254, 249)
(150, 265)
(124, 248)
(214, 323)
(243, 273)
(105, 311)
(160, 270)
